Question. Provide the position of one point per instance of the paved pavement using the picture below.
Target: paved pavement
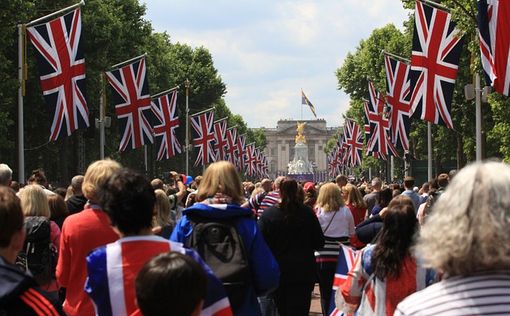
(315, 308)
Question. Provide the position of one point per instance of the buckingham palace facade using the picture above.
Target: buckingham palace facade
(281, 140)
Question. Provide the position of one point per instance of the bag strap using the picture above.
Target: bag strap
(330, 221)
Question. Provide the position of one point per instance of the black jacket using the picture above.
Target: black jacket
(293, 242)
(75, 204)
(19, 294)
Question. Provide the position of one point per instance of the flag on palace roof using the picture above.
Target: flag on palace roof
(398, 95)
(131, 99)
(62, 72)
(306, 101)
(494, 25)
(164, 108)
(434, 63)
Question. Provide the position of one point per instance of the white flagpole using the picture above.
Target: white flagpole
(102, 118)
(21, 84)
(187, 149)
(69, 8)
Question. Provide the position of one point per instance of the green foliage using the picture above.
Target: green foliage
(112, 31)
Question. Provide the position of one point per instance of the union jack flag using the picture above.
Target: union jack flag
(354, 140)
(231, 149)
(62, 72)
(251, 158)
(258, 163)
(435, 59)
(346, 258)
(241, 151)
(379, 125)
(493, 25)
(398, 93)
(203, 137)
(164, 108)
(130, 96)
(220, 138)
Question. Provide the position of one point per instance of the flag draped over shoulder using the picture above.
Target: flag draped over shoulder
(434, 63)
(345, 262)
(62, 72)
(131, 99)
(494, 33)
(203, 137)
(164, 108)
(398, 94)
(305, 101)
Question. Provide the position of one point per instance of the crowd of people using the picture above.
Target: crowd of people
(116, 243)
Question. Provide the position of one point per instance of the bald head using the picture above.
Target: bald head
(76, 183)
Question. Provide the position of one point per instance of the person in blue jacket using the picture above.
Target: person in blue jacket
(218, 198)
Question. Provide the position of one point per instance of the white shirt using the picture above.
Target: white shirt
(342, 225)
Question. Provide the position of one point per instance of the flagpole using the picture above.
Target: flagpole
(429, 149)
(69, 8)
(202, 112)
(186, 150)
(102, 119)
(154, 96)
(21, 86)
(123, 63)
(478, 111)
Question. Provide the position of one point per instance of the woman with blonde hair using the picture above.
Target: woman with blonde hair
(354, 201)
(41, 233)
(81, 233)
(162, 216)
(467, 239)
(218, 201)
(337, 226)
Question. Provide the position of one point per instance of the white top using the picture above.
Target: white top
(342, 224)
(482, 294)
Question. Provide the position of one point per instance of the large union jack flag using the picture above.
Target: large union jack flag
(231, 148)
(62, 72)
(494, 25)
(434, 63)
(398, 94)
(132, 101)
(374, 110)
(164, 108)
(251, 160)
(203, 137)
(241, 152)
(353, 138)
(220, 138)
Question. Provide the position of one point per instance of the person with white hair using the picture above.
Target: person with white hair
(5, 175)
(466, 238)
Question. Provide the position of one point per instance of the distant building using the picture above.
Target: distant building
(281, 140)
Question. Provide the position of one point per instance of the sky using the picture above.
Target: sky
(267, 51)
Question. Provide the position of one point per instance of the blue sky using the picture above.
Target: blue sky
(267, 51)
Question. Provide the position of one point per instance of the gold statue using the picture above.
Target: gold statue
(300, 138)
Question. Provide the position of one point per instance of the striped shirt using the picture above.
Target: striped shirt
(263, 201)
(481, 294)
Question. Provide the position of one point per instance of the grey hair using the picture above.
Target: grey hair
(468, 230)
(5, 174)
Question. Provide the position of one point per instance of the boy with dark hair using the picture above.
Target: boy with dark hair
(128, 199)
(19, 294)
(171, 282)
